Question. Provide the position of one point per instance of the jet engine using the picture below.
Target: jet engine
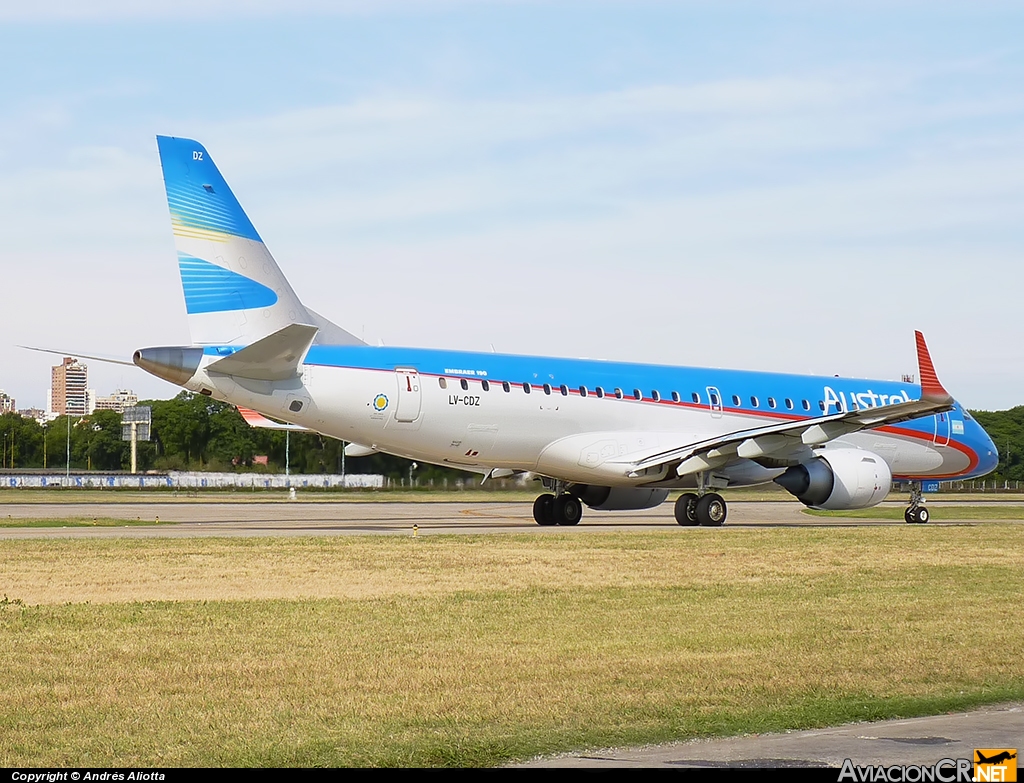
(618, 498)
(839, 479)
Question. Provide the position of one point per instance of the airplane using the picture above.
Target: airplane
(606, 435)
(1005, 755)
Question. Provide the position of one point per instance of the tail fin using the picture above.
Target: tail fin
(234, 291)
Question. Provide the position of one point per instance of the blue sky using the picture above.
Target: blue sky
(790, 186)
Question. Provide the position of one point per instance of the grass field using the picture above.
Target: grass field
(76, 522)
(475, 650)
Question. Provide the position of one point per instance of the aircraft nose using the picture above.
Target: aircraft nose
(988, 454)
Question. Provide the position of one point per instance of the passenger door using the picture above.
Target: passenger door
(408, 408)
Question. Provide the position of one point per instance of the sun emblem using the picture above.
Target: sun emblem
(380, 402)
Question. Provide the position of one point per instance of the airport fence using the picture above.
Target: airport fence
(194, 480)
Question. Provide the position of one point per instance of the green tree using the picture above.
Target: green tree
(22, 442)
(1006, 429)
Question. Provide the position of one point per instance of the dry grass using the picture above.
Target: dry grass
(473, 650)
(75, 522)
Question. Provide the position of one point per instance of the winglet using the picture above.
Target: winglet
(931, 389)
(258, 420)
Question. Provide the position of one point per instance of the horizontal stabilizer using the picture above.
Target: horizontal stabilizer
(330, 332)
(274, 358)
(259, 421)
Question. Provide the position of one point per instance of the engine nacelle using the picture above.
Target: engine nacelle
(839, 479)
(618, 498)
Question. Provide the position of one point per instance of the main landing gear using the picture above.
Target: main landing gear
(558, 509)
(564, 509)
(703, 508)
(708, 510)
(916, 513)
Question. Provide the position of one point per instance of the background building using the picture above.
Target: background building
(69, 392)
(118, 401)
(6, 403)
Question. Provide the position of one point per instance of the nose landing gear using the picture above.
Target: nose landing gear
(916, 513)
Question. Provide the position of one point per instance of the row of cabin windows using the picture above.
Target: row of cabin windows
(599, 392)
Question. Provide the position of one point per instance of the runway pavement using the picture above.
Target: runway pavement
(302, 518)
(918, 741)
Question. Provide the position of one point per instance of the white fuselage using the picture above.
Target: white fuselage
(576, 438)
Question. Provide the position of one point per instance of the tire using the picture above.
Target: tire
(921, 516)
(568, 510)
(908, 515)
(711, 510)
(686, 509)
(544, 510)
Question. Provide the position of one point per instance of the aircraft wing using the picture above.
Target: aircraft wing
(79, 355)
(789, 437)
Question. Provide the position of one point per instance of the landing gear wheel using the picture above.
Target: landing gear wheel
(916, 513)
(544, 510)
(711, 510)
(568, 510)
(686, 509)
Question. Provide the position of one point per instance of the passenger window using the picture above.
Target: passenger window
(821, 404)
(583, 391)
(753, 402)
(637, 395)
(505, 386)
(789, 403)
(464, 384)
(526, 388)
(564, 389)
(806, 404)
(486, 385)
(675, 396)
(600, 392)
(714, 399)
(695, 397)
(771, 402)
(736, 400)
(547, 388)
(655, 395)
(618, 393)
(442, 382)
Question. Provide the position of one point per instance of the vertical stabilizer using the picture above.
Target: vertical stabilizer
(234, 291)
